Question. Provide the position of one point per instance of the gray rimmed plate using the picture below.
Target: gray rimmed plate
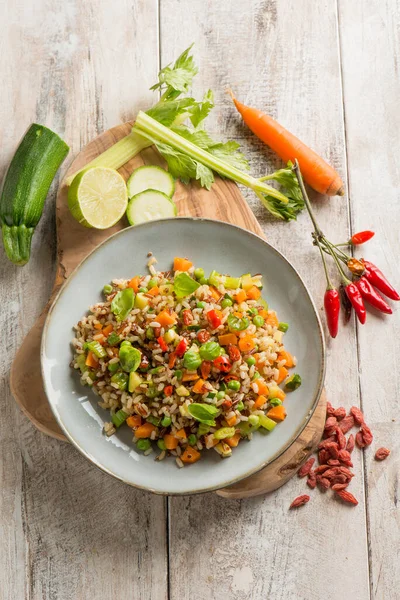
(211, 245)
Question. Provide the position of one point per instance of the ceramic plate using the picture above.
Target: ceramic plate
(211, 245)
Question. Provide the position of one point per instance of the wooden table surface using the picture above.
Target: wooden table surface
(329, 71)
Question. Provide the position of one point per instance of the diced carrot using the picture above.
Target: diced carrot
(107, 330)
(205, 369)
(198, 387)
(241, 296)
(144, 431)
(227, 403)
(182, 264)
(272, 319)
(262, 387)
(247, 343)
(263, 313)
(215, 294)
(171, 442)
(134, 284)
(231, 421)
(134, 421)
(155, 291)
(172, 360)
(227, 338)
(181, 434)
(237, 314)
(191, 455)
(165, 319)
(261, 400)
(168, 390)
(234, 440)
(91, 360)
(253, 293)
(98, 326)
(283, 373)
(190, 376)
(278, 413)
(284, 355)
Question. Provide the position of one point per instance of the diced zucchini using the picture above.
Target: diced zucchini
(223, 449)
(182, 391)
(141, 301)
(119, 418)
(232, 283)
(266, 422)
(134, 381)
(170, 336)
(81, 360)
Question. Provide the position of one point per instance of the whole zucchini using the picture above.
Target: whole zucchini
(25, 188)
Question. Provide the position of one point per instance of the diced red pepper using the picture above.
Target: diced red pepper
(181, 347)
(223, 364)
(162, 343)
(214, 317)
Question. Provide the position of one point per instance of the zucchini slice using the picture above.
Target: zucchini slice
(150, 178)
(149, 206)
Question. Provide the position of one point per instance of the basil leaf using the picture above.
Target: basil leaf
(122, 303)
(204, 413)
(236, 324)
(184, 285)
(191, 360)
(130, 358)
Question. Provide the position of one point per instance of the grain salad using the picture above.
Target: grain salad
(187, 362)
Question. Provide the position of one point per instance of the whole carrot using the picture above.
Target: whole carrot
(317, 173)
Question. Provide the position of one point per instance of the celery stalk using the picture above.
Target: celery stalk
(155, 130)
(118, 154)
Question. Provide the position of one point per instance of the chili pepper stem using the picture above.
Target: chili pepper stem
(307, 203)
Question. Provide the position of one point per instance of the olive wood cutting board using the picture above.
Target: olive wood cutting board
(225, 203)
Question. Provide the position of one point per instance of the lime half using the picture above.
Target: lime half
(98, 197)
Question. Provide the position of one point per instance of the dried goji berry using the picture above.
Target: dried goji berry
(333, 451)
(312, 482)
(321, 469)
(299, 501)
(329, 409)
(350, 443)
(203, 336)
(234, 353)
(326, 443)
(340, 413)
(187, 316)
(323, 482)
(339, 486)
(344, 456)
(323, 456)
(330, 422)
(382, 453)
(347, 497)
(357, 414)
(340, 437)
(333, 462)
(366, 434)
(360, 440)
(346, 423)
(306, 468)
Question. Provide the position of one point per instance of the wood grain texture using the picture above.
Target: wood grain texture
(67, 530)
(370, 36)
(223, 202)
(282, 57)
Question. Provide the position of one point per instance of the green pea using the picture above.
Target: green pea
(178, 374)
(254, 419)
(150, 333)
(143, 444)
(251, 361)
(283, 327)
(203, 281)
(107, 289)
(256, 376)
(275, 402)
(199, 274)
(240, 406)
(166, 422)
(221, 395)
(152, 283)
(258, 321)
(143, 290)
(201, 304)
(192, 439)
(234, 385)
(161, 444)
(226, 302)
(253, 311)
(154, 420)
(113, 367)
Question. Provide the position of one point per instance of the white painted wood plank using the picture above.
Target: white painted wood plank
(281, 57)
(370, 50)
(67, 530)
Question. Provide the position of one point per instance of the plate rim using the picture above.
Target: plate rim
(253, 471)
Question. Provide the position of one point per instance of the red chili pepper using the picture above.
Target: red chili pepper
(168, 390)
(346, 304)
(163, 345)
(377, 278)
(354, 295)
(371, 296)
(332, 310)
(223, 364)
(181, 347)
(214, 317)
(361, 237)
(187, 317)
